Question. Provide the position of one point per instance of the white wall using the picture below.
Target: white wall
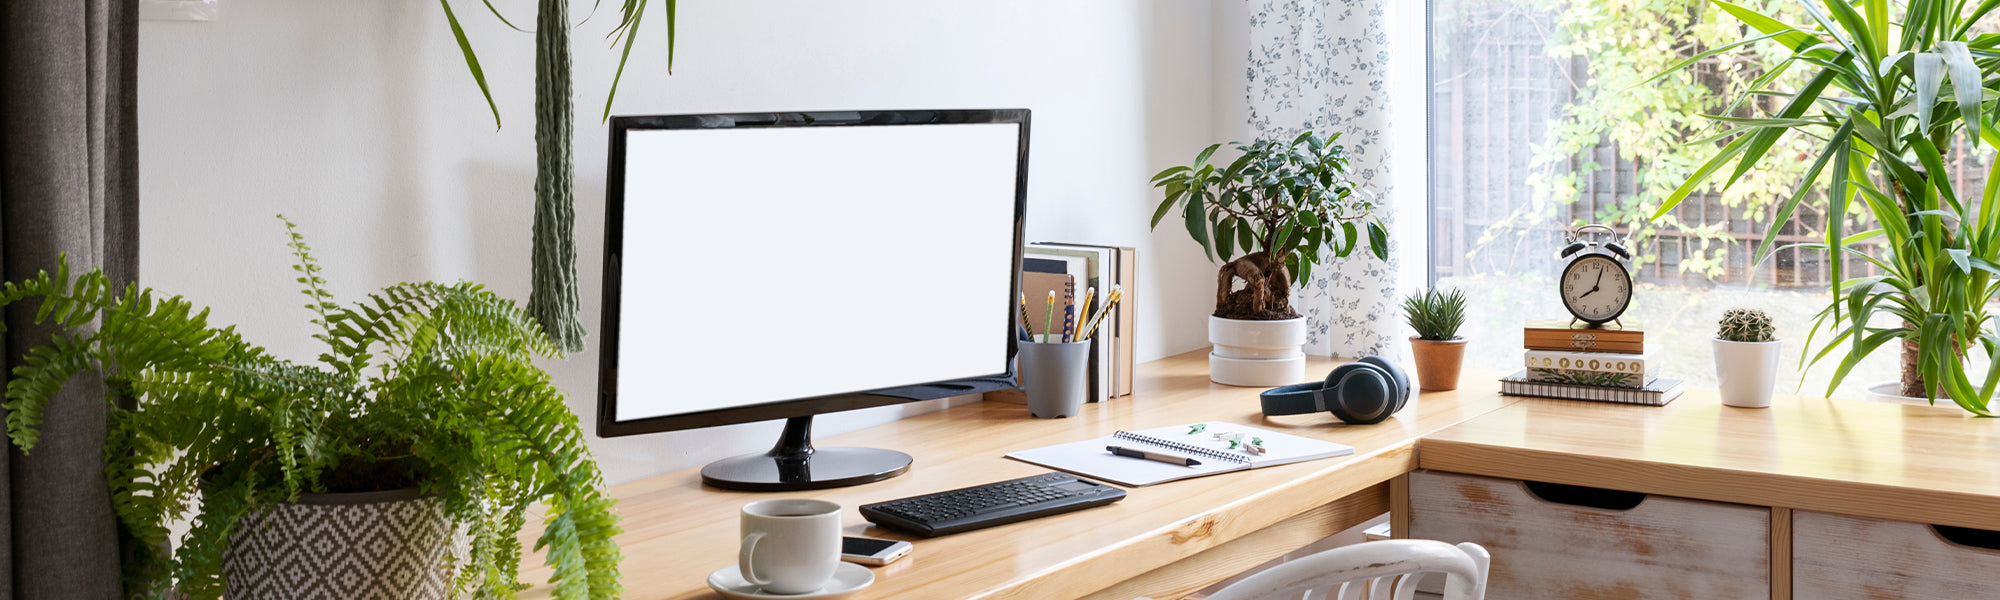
(358, 120)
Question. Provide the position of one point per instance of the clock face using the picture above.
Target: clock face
(1596, 288)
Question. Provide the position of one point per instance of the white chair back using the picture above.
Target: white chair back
(1382, 570)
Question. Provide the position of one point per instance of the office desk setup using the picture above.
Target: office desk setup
(1840, 468)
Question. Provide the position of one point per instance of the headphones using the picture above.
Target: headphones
(1362, 393)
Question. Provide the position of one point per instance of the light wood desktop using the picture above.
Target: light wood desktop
(1910, 463)
(1163, 541)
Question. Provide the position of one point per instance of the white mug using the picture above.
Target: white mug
(790, 545)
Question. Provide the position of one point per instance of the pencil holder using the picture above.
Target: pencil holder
(1054, 376)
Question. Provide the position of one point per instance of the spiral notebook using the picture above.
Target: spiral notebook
(1199, 441)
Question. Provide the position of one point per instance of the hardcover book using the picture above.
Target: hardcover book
(1657, 392)
(1564, 336)
(1594, 368)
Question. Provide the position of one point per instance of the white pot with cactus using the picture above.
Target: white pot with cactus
(1746, 358)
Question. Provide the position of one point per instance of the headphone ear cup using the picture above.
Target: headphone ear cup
(1361, 393)
(1402, 378)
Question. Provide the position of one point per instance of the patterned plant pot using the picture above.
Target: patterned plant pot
(392, 545)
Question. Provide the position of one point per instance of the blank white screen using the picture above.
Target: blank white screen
(774, 264)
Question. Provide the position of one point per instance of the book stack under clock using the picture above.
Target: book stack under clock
(1603, 363)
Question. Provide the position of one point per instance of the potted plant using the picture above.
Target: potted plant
(1746, 358)
(1889, 114)
(1280, 204)
(1439, 351)
(401, 464)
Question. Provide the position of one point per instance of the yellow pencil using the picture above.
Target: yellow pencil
(1083, 314)
(1027, 328)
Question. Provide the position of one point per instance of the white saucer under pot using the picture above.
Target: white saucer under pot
(1256, 353)
(848, 578)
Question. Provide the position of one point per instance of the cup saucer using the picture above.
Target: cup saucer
(848, 578)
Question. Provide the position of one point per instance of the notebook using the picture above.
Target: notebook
(1198, 441)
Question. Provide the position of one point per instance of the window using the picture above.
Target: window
(1545, 116)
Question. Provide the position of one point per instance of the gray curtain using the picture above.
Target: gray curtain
(68, 185)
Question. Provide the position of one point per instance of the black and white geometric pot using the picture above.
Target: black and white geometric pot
(391, 545)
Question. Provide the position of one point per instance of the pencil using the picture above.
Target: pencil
(1049, 319)
(1117, 294)
(1027, 330)
(1083, 314)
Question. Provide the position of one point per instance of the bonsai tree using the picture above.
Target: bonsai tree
(1435, 315)
(422, 385)
(1280, 204)
(1893, 88)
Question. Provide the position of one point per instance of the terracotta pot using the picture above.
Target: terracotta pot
(1438, 362)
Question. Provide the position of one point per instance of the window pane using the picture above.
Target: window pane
(1544, 118)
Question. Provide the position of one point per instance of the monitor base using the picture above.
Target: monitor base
(793, 464)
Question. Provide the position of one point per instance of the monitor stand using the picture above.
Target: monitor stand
(794, 464)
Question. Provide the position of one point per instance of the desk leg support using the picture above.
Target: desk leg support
(1241, 554)
(1399, 507)
(1781, 553)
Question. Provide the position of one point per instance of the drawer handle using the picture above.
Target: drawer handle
(1967, 536)
(1577, 495)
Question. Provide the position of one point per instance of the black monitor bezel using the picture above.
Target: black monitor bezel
(614, 216)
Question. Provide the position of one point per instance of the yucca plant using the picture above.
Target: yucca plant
(1435, 315)
(1281, 203)
(422, 385)
(1894, 85)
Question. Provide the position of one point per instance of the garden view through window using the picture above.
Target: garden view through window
(1544, 118)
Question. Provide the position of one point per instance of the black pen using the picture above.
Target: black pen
(1165, 458)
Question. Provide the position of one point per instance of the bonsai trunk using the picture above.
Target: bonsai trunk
(1266, 293)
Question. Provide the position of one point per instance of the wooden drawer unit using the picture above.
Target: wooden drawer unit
(1841, 556)
(1561, 542)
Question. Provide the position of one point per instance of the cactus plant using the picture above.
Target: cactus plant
(1745, 325)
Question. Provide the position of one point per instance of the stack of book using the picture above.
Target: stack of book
(1604, 363)
(1072, 271)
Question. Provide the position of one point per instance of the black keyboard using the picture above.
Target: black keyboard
(996, 503)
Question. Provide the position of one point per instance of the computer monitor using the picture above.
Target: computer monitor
(783, 265)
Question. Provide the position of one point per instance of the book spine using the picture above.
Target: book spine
(1592, 368)
(1568, 392)
(1581, 344)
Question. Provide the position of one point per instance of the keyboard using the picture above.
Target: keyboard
(996, 503)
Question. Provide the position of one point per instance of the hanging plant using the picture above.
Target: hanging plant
(553, 299)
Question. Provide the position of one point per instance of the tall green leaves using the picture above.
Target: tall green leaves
(1878, 99)
(631, 15)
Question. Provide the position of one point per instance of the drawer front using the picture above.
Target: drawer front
(1842, 556)
(1598, 545)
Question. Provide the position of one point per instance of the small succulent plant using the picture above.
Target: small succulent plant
(1746, 325)
(1435, 315)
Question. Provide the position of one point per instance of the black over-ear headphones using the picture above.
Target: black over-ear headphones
(1362, 393)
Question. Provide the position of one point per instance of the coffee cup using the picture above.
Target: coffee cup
(790, 545)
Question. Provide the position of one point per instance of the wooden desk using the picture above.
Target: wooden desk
(1163, 540)
(1895, 461)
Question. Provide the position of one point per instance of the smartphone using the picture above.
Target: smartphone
(871, 551)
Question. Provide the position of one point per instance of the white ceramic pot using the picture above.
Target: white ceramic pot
(1256, 353)
(1746, 371)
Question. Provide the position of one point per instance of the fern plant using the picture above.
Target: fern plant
(422, 384)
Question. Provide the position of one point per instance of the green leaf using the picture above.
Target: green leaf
(1161, 212)
(1966, 79)
(1349, 235)
(1676, 67)
(1202, 159)
(1765, 137)
(1700, 175)
(1792, 37)
(1225, 236)
(1197, 226)
(471, 60)
(630, 31)
(1834, 147)
(1929, 77)
(1378, 240)
(503, 18)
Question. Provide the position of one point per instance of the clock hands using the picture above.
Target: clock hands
(1594, 286)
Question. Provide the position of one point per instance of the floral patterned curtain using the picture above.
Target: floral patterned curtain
(1322, 65)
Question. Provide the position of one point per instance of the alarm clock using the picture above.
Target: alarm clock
(1596, 284)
